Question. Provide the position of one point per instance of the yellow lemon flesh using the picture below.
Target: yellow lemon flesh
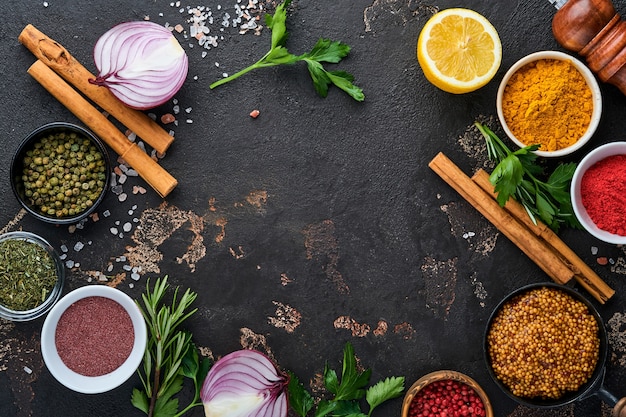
(459, 50)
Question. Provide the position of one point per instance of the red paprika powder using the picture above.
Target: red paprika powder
(603, 193)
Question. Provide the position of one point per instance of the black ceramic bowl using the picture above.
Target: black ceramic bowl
(67, 175)
(593, 384)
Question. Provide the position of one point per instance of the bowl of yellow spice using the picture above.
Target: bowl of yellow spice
(549, 99)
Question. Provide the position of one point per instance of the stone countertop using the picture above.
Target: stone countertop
(315, 224)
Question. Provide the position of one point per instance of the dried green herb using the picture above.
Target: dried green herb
(27, 274)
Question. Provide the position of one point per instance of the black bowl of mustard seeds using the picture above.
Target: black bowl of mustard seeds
(60, 173)
(546, 346)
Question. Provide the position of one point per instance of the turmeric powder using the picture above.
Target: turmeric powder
(547, 102)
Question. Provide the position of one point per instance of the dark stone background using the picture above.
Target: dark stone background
(328, 204)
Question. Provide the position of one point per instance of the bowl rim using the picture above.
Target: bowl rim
(36, 134)
(34, 313)
(93, 384)
(591, 82)
(440, 375)
(596, 155)
(585, 389)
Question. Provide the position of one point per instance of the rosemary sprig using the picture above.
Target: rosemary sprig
(170, 353)
(516, 174)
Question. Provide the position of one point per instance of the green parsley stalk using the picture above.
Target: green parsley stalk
(325, 50)
(517, 175)
(346, 392)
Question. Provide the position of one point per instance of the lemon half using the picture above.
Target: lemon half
(459, 50)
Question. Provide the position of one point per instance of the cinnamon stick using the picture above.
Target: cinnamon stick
(584, 275)
(534, 248)
(157, 177)
(63, 63)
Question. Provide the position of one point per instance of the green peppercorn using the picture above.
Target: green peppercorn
(61, 175)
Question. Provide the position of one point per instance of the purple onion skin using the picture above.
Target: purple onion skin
(245, 374)
(141, 63)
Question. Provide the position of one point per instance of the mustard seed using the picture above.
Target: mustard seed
(543, 344)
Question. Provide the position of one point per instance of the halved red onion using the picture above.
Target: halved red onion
(245, 383)
(141, 62)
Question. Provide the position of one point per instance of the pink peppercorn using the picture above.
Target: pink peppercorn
(447, 398)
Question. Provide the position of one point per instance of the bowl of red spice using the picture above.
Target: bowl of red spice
(446, 393)
(549, 99)
(93, 339)
(598, 192)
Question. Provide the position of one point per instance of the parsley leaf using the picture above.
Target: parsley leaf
(347, 392)
(384, 390)
(517, 175)
(325, 50)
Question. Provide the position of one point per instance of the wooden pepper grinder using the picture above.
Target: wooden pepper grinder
(595, 31)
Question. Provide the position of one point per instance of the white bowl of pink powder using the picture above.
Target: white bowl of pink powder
(598, 192)
(93, 339)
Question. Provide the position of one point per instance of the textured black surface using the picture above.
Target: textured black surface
(326, 206)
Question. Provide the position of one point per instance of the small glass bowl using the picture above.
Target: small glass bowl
(591, 82)
(55, 293)
(17, 166)
(445, 375)
(93, 384)
(596, 155)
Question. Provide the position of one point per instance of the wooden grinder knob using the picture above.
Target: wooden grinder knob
(620, 409)
(594, 30)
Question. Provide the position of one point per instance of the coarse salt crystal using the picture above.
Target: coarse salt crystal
(78, 246)
(127, 227)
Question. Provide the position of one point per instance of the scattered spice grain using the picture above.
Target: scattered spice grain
(548, 102)
(543, 343)
(94, 336)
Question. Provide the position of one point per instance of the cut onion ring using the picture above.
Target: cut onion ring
(141, 63)
(245, 383)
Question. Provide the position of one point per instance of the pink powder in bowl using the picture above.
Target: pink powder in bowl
(94, 336)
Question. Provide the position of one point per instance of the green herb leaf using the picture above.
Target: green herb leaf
(347, 393)
(300, 399)
(517, 175)
(325, 407)
(325, 50)
(353, 382)
(170, 353)
(277, 24)
(384, 390)
(140, 400)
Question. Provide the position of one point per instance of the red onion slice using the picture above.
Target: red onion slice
(141, 62)
(245, 383)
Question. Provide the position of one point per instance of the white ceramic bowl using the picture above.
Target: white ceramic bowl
(92, 384)
(591, 82)
(598, 154)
